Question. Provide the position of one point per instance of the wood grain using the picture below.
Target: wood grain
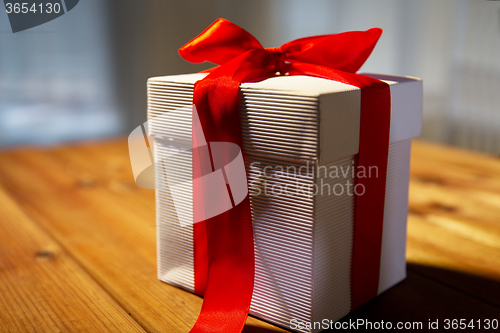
(84, 196)
(419, 298)
(42, 289)
(454, 220)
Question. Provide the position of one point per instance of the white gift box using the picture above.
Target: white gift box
(301, 139)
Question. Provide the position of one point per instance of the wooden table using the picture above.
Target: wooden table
(78, 246)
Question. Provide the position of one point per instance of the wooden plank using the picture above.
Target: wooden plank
(419, 299)
(42, 289)
(454, 218)
(86, 196)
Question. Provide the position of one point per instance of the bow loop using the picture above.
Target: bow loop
(223, 41)
(219, 43)
(345, 51)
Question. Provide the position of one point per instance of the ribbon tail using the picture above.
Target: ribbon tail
(228, 253)
(229, 288)
(373, 152)
(374, 130)
(229, 236)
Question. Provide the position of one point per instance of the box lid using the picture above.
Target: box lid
(331, 109)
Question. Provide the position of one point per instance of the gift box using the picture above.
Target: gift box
(301, 143)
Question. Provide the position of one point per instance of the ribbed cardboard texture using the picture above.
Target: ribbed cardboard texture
(303, 243)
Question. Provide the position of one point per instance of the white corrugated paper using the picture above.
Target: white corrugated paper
(303, 242)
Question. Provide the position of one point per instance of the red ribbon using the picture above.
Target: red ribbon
(223, 245)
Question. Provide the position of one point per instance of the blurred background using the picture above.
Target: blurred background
(83, 75)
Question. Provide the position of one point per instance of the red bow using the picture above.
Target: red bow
(223, 245)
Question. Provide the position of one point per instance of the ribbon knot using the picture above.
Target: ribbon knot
(277, 51)
(279, 56)
(223, 245)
